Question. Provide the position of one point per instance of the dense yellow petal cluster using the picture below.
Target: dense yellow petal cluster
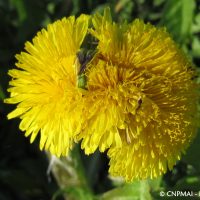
(135, 98)
(45, 85)
(142, 99)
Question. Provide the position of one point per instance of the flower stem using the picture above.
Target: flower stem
(70, 176)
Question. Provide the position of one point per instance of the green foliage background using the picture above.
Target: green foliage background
(23, 168)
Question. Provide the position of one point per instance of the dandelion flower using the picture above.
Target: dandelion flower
(142, 99)
(45, 85)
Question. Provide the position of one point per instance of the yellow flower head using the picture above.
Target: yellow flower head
(45, 85)
(142, 100)
(139, 101)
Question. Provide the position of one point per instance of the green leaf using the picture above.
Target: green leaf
(21, 9)
(158, 2)
(2, 95)
(76, 193)
(196, 25)
(187, 16)
(155, 183)
(193, 154)
(123, 10)
(138, 190)
(188, 183)
(196, 47)
(178, 17)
